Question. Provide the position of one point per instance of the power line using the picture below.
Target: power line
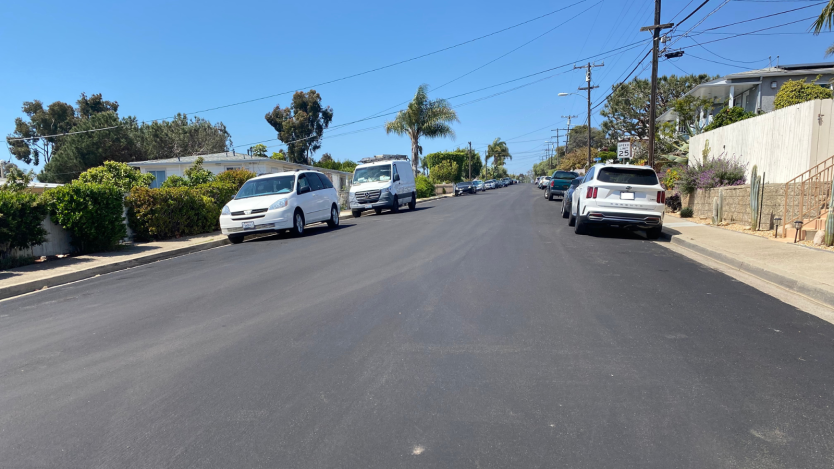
(725, 58)
(756, 31)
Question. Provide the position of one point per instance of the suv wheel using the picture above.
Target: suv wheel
(578, 226)
(654, 233)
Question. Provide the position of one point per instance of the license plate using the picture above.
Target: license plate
(626, 195)
(369, 206)
(248, 225)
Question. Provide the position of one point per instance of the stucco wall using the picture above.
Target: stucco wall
(781, 143)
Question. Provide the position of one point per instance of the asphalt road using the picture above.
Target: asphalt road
(475, 332)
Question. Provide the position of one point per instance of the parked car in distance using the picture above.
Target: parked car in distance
(479, 185)
(508, 182)
(387, 183)
(280, 201)
(559, 182)
(465, 188)
(544, 181)
(622, 196)
(568, 195)
(490, 184)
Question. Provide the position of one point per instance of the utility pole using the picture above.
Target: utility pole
(470, 161)
(567, 138)
(589, 88)
(655, 29)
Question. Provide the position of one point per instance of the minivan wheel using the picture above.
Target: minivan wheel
(413, 204)
(236, 239)
(298, 223)
(334, 217)
(396, 207)
(356, 213)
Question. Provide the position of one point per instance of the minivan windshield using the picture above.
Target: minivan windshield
(378, 173)
(266, 186)
(635, 177)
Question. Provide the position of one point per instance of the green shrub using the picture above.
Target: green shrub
(92, 213)
(727, 116)
(445, 171)
(219, 192)
(172, 212)
(424, 187)
(175, 181)
(235, 177)
(197, 175)
(686, 212)
(21, 215)
(797, 91)
(116, 174)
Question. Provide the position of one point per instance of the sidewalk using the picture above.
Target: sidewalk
(804, 270)
(35, 277)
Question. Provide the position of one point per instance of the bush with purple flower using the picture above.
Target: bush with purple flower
(715, 172)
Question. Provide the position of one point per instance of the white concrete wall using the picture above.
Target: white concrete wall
(57, 242)
(782, 143)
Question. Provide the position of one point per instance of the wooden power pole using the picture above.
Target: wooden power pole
(589, 88)
(655, 29)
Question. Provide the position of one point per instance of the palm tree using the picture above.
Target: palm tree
(423, 118)
(826, 19)
(498, 151)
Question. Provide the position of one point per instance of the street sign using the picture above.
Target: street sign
(624, 150)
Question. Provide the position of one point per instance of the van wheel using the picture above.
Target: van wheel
(356, 213)
(396, 207)
(377, 211)
(413, 204)
(298, 223)
(334, 217)
(236, 239)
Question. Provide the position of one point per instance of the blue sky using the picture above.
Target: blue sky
(157, 58)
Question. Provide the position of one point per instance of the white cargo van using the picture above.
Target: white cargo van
(382, 182)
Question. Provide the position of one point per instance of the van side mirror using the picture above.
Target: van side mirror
(396, 177)
(303, 190)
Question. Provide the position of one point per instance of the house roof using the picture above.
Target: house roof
(229, 157)
(742, 81)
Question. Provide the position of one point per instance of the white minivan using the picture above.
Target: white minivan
(280, 201)
(382, 182)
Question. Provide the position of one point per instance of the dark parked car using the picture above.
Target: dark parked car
(465, 188)
(569, 196)
(558, 184)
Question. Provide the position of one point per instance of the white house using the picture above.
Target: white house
(219, 162)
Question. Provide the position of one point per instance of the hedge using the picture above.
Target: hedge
(177, 211)
(235, 176)
(21, 215)
(92, 213)
(424, 187)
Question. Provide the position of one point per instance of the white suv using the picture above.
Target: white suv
(619, 195)
(280, 201)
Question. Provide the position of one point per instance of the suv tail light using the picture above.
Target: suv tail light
(592, 193)
(661, 197)
(595, 192)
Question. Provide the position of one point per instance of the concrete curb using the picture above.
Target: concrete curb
(821, 295)
(34, 285)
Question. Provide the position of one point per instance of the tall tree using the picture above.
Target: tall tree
(301, 125)
(182, 137)
(825, 20)
(95, 104)
(259, 150)
(498, 151)
(57, 118)
(423, 118)
(627, 109)
(578, 139)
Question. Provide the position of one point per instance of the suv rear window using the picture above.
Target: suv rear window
(635, 177)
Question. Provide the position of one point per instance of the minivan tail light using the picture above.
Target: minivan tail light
(661, 197)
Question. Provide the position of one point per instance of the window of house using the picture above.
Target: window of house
(233, 168)
(159, 178)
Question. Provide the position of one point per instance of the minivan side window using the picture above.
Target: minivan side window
(325, 181)
(315, 182)
(302, 182)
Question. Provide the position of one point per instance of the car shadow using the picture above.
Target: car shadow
(607, 232)
(315, 229)
(387, 212)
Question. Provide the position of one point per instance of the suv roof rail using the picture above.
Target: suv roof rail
(379, 158)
